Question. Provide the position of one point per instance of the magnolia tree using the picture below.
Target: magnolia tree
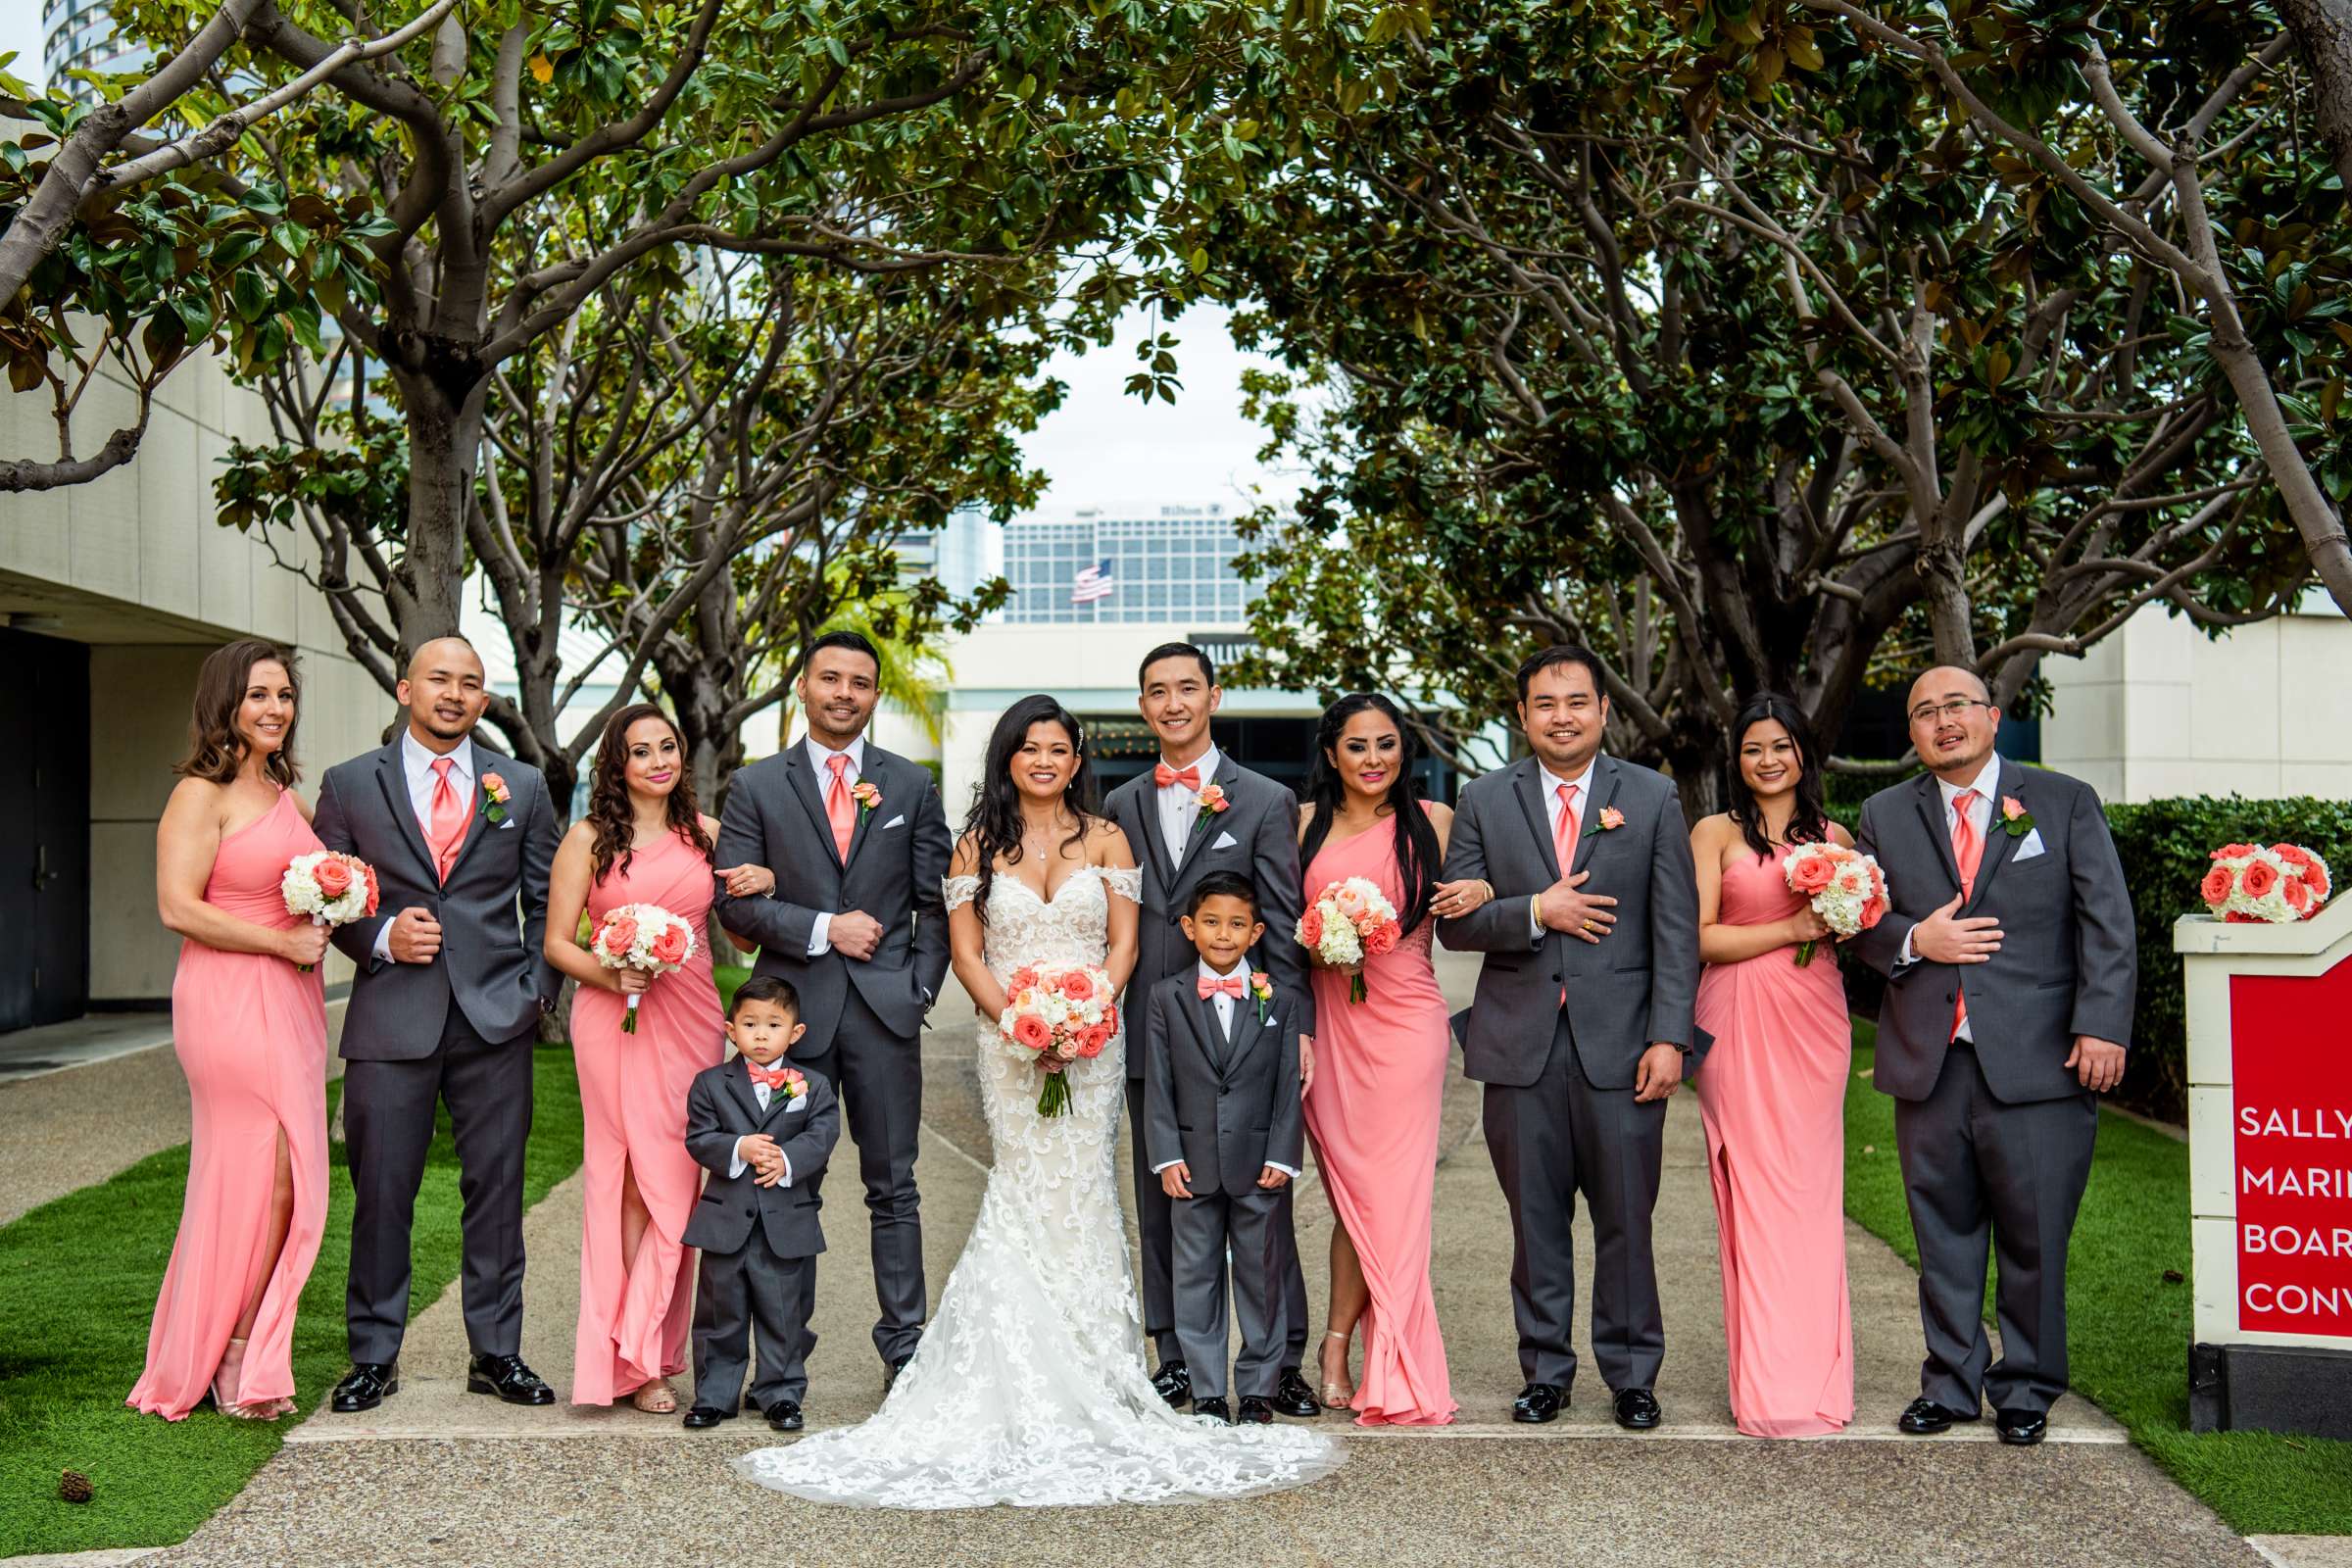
(1731, 347)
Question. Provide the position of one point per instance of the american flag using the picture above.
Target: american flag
(1092, 583)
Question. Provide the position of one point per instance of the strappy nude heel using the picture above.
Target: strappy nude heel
(1338, 1395)
(656, 1398)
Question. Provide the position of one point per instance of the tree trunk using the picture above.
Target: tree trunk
(445, 440)
(2323, 30)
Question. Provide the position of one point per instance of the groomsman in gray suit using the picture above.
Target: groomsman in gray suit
(1179, 832)
(1581, 1023)
(444, 1009)
(2011, 964)
(857, 925)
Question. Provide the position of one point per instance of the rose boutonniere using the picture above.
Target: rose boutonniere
(1212, 804)
(1611, 819)
(2016, 820)
(1262, 986)
(495, 797)
(867, 796)
(795, 1087)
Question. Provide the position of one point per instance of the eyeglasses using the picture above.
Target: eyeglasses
(1953, 708)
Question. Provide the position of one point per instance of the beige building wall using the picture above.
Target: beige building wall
(134, 565)
(2158, 709)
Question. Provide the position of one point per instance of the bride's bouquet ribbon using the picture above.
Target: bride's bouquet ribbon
(1061, 1015)
(330, 887)
(1846, 888)
(644, 937)
(1349, 921)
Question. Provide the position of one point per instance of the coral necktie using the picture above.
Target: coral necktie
(840, 812)
(446, 833)
(1563, 828)
(1968, 853)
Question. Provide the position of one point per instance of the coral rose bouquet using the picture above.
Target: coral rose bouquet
(1845, 887)
(2249, 884)
(1349, 921)
(644, 937)
(1061, 1016)
(330, 887)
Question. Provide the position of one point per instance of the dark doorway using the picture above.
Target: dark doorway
(45, 856)
(1278, 748)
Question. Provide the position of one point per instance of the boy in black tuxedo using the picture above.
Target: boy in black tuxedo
(765, 1131)
(1224, 1131)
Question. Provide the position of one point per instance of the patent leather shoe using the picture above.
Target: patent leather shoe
(1174, 1381)
(1539, 1403)
(1215, 1408)
(1922, 1417)
(1637, 1409)
(365, 1386)
(702, 1417)
(784, 1415)
(507, 1377)
(2021, 1429)
(1293, 1397)
(1254, 1411)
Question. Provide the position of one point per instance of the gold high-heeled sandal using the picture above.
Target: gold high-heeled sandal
(1338, 1395)
(656, 1398)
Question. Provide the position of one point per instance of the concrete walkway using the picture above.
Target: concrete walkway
(438, 1475)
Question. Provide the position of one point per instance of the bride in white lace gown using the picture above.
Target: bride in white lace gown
(1029, 1386)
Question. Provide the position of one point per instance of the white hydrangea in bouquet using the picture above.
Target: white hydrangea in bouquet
(1061, 1015)
(1846, 888)
(2249, 884)
(644, 937)
(330, 887)
(1349, 921)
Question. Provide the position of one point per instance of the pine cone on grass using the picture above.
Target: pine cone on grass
(74, 1486)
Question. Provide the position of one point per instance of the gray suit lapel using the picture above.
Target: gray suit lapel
(1529, 788)
(1598, 798)
(1199, 833)
(877, 763)
(739, 1081)
(1205, 1024)
(1998, 845)
(1248, 1033)
(1929, 801)
(803, 784)
(395, 781)
(478, 826)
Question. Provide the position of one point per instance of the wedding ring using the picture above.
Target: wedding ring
(1587, 925)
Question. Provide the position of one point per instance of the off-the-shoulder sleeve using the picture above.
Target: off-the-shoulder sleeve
(1126, 881)
(959, 891)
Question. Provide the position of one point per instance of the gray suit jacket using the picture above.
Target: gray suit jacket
(1224, 1108)
(491, 961)
(721, 1107)
(776, 816)
(1635, 987)
(1262, 819)
(2069, 958)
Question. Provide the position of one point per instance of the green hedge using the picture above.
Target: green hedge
(2166, 847)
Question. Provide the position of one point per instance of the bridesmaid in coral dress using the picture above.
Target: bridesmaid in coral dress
(1773, 1092)
(1380, 1066)
(642, 841)
(250, 1030)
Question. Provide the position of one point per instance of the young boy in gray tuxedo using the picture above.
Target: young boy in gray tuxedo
(1223, 1130)
(764, 1130)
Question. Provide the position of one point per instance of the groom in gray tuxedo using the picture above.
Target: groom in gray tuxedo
(1581, 1023)
(858, 926)
(444, 1009)
(1178, 832)
(2011, 962)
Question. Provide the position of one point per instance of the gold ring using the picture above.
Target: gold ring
(1587, 925)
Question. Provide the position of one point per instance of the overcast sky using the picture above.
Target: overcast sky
(20, 31)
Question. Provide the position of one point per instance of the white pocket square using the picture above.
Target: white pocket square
(899, 820)
(508, 823)
(1225, 840)
(800, 1103)
(2030, 846)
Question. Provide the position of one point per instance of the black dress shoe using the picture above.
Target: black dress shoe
(1293, 1397)
(702, 1417)
(365, 1386)
(891, 1371)
(1174, 1381)
(1256, 1412)
(1637, 1409)
(784, 1415)
(2021, 1429)
(1215, 1408)
(1922, 1417)
(1539, 1403)
(507, 1377)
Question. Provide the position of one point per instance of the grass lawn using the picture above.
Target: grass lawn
(77, 1284)
(729, 976)
(2127, 1317)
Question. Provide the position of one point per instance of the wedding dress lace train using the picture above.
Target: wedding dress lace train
(1029, 1387)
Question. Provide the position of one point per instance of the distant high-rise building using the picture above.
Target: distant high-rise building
(962, 553)
(81, 36)
(1099, 567)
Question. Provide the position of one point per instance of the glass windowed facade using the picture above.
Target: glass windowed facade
(1175, 567)
(79, 35)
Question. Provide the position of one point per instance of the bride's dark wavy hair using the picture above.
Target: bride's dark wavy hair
(1417, 857)
(994, 822)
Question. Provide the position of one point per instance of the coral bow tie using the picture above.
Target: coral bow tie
(1164, 775)
(1233, 984)
(774, 1079)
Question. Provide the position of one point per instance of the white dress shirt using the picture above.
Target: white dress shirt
(1180, 807)
(820, 758)
(1987, 785)
(739, 1164)
(416, 766)
(1225, 1005)
(1583, 785)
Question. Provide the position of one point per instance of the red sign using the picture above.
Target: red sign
(2290, 1044)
